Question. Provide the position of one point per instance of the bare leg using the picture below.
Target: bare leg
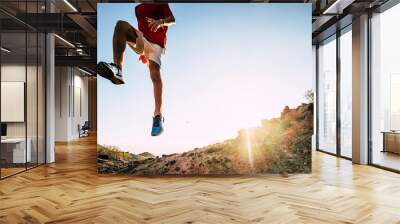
(123, 33)
(155, 75)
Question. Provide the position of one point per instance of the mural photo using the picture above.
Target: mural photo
(204, 89)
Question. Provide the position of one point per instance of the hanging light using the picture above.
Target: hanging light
(5, 50)
(70, 5)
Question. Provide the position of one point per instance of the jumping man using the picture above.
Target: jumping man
(148, 42)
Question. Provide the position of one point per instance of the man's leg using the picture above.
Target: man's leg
(155, 75)
(123, 33)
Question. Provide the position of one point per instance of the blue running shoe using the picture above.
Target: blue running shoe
(157, 128)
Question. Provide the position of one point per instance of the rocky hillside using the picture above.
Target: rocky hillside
(279, 145)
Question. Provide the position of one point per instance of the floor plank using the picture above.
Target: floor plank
(70, 191)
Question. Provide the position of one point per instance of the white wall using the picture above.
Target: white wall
(62, 78)
(71, 87)
(80, 110)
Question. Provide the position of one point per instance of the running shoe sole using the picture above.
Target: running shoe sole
(157, 133)
(104, 71)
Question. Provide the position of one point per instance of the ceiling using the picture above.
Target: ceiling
(75, 23)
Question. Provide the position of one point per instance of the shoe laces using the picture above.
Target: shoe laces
(117, 69)
(157, 121)
(115, 65)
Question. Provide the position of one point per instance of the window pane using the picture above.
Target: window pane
(22, 88)
(327, 97)
(346, 94)
(14, 153)
(386, 89)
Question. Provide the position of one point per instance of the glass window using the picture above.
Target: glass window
(327, 96)
(385, 87)
(14, 153)
(346, 94)
(22, 91)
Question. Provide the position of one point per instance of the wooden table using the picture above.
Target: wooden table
(391, 141)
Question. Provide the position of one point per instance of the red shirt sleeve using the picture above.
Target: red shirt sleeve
(166, 11)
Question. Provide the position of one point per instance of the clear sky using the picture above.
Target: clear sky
(227, 66)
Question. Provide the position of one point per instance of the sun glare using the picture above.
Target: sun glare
(249, 147)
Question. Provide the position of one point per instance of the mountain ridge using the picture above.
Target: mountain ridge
(279, 145)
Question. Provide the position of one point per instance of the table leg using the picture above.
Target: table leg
(384, 142)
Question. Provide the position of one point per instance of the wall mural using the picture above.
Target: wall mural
(204, 89)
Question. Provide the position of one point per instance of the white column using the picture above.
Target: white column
(50, 99)
(50, 93)
(360, 90)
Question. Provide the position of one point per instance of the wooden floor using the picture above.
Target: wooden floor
(70, 191)
(387, 159)
(5, 172)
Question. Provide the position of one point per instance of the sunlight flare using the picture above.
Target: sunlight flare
(249, 147)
